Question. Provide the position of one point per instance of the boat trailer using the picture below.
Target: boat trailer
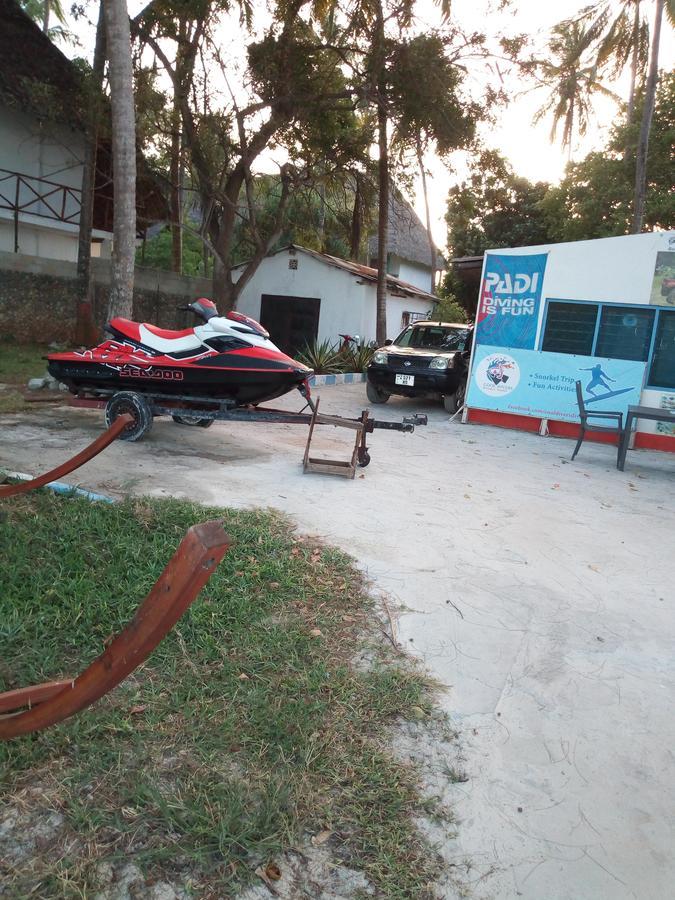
(202, 412)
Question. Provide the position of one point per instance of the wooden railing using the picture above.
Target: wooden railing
(40, 197)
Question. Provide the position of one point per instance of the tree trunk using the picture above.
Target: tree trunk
(46, 10)
(432, 246)
(89, 165)
(647, 113)
(85, 330)
(357, 217)
(175, 161)
(383, 180)
(382, 225)
(633, 65)
(175, 175)
(124, 158)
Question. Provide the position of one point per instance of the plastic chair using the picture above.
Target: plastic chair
(585, 415)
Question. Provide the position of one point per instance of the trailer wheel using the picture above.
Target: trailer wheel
(137, 406)
(363, 457)
(190, 420)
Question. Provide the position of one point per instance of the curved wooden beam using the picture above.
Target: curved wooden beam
(30, 696)
(101, 442)
(186, 573)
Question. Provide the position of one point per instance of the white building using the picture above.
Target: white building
(300, 295)
(41, 143)
(43, 108)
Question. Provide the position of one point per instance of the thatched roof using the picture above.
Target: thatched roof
(408, 238)
(34, 75)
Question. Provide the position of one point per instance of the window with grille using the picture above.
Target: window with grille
(570, 328)
(662, 370)
(625, 332)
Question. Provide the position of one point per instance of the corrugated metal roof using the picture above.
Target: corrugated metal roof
(369, 274)
(365, 273)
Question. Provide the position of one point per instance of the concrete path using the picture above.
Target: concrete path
(540, 591)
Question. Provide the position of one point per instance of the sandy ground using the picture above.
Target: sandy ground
(539, 591)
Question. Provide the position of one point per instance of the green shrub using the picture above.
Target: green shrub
(323, 357)
(355, 359)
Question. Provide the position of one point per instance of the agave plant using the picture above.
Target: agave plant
(323, 357)
(356, 358)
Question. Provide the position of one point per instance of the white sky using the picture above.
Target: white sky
(525, 145)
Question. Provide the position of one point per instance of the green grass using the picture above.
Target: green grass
(243, 732)
(19, 362)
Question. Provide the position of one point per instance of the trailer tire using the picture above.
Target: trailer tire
(192, 421)
(137, 406)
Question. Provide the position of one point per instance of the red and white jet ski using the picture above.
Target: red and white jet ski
(227, 358)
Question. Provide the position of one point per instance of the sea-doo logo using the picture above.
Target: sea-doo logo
(161, 374)
(497, 375)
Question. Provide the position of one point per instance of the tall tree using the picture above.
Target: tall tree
(595, 198)
(379, 62)
(495, 208)
(620, 37)
(124, 157)
(612, 35)
(94, 92)
(85, 329)
(572, 78)
(41, 11)
(645, 126)
(297, 98)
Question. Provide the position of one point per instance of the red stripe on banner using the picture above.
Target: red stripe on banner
(571, 430)
(643, 440)
(503, 420)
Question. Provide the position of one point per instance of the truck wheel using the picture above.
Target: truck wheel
(375, 395)
(453, 402)
(137, 406)
(189, 420)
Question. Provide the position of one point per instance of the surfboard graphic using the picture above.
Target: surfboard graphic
(594, 399)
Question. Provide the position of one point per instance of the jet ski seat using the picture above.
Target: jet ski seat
(166, 333)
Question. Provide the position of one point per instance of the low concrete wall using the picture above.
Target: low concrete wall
(39, 297)
(342, 378)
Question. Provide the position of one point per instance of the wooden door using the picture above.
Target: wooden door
(292, 322)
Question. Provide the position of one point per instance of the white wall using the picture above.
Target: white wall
(48, 151)
(396, 306)
(347, 304)
(38, 238)
(415, 273)
(606, 270)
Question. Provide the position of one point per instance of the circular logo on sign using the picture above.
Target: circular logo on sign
(497, 375)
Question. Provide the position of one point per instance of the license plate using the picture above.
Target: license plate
(405, 379)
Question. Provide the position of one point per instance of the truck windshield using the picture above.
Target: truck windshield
(434, 337)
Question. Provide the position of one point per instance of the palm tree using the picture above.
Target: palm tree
(622, 37)
(645, 127)
(118, 46)
(41, 12)
(573, 83)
